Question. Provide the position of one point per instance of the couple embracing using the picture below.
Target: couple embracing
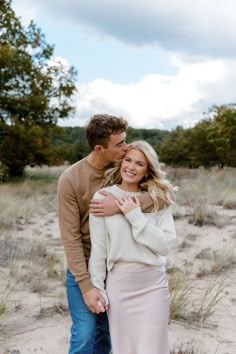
(114, 209)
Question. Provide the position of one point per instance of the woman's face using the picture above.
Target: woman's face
(133, 167)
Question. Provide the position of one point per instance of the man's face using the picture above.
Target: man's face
(116, 147)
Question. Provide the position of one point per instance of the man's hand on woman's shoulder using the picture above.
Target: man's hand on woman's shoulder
(105, 206)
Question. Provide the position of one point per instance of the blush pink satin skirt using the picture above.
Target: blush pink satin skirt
(139, 309)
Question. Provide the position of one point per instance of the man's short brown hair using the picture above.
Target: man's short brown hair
(101, 126)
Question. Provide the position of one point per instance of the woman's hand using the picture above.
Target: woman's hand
(127, 204)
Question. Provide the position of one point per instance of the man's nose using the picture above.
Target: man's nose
(125, 146)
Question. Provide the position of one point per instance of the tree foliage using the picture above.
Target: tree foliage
(209, 143)
(155, 137)
(35, 91)
(175, 148)
(72, 143)
(222, 135)
(75, 146)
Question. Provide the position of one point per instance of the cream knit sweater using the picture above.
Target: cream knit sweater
(133, 237)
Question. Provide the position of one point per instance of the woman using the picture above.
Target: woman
(129, 251)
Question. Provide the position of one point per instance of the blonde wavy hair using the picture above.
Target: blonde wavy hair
(154, 182)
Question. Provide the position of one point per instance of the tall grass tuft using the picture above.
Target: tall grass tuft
(184, 348)
(184, 306)
(180, 289)
(207, 300)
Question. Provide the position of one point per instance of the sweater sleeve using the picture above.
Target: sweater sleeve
(98, 256)
(69, 223)
(156, 237)
(146, 202)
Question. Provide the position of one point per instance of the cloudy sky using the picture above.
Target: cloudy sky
(157, 63)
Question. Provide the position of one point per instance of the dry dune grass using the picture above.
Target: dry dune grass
(184, 348)
(20, 202)
(207, 187)
(201, 266)
(28, 265)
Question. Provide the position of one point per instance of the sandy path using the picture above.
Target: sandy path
(23, 330)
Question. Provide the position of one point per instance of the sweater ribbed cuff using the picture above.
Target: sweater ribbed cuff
(85, 285)
(135, 216)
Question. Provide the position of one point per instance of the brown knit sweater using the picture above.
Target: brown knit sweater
(76, 187)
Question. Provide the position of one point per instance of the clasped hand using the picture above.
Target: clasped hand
(95, 301)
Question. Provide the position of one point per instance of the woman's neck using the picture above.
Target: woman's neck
(129, 187)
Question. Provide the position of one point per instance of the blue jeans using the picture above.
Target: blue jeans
(89, 332)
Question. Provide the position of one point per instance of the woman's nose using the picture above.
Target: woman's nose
(131, 166)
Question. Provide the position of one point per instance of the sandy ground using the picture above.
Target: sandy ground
(30, 325)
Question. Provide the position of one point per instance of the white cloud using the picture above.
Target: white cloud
(26, 9)
(203, 27)
(199, 37)
(159, 101)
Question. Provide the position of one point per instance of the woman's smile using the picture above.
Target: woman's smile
(133, 169)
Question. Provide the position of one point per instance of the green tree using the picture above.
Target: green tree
(222, 134)
(175, 148)
(74, 142)
(211, 142)
(35, 91)
(201, 153)
(155, 137)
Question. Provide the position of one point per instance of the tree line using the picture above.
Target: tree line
(35, 91)
(211, 142)
(73, 145)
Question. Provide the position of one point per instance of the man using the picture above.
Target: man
(76, 187)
